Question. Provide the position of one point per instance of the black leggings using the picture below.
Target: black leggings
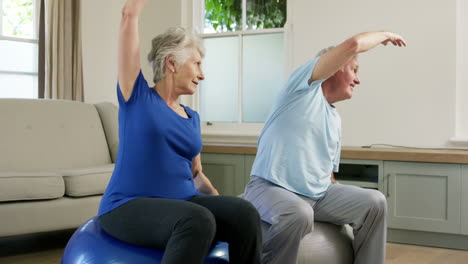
(185, 230)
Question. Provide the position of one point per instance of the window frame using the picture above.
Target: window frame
(461, 110)
(231, 132)
(34, 39)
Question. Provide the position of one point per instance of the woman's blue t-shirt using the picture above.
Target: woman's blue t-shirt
(156, 149)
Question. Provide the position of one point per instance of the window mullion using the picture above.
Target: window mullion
(241, 60)
(239, 84)
(201, 19)
(36, 15)
(25, 40)
(18, 73)
(1, 17)
(244, 14)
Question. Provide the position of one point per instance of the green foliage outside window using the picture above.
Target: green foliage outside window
(18, 18)
(266, 13)
(223, 15)
(226, 15)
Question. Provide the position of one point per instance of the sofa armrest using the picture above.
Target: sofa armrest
(108, 113)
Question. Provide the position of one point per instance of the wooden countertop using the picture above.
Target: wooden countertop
(393, 154)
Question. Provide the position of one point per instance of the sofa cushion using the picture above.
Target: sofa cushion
(47, 135)
(87, 181)
(26, 217)
(16, 186)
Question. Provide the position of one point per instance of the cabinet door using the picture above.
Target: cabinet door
(423, 196)
(464, 202)
(225, 171)
(249, 161)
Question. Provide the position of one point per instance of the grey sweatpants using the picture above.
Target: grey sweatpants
(292, 217)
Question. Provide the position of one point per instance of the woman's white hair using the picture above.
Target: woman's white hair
(176, 42)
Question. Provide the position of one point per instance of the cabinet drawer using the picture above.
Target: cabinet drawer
(361, 173)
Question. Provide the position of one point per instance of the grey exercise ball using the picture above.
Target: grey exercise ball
(326, 244)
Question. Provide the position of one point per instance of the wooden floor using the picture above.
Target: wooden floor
(409, 254)
(48, 249)
(34, 249)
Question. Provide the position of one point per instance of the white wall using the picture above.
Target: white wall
(407, 95)
(100, 25)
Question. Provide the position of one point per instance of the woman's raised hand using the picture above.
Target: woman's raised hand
(133, 7)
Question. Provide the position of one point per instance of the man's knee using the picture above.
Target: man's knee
(298, 217)
(305, 217)
(378, 202)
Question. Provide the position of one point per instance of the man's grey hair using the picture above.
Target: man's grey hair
(323, 51)
(176, 41)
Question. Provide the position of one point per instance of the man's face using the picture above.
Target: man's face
(347, 79)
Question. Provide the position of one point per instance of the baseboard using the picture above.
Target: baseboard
(428, 239)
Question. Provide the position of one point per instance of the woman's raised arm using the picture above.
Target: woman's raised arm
(129, 46)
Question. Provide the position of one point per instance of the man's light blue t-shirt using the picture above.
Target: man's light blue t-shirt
(300, 145)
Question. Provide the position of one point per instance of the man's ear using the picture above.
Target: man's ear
(170, 63)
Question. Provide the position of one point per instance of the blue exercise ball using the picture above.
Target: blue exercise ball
(91, 245)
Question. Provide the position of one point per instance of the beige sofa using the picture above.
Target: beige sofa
(56, 158)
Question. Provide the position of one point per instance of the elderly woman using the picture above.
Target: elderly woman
(158, 196)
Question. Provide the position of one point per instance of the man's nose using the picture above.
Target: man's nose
(357, 81)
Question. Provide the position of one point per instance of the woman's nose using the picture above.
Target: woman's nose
(201, 76)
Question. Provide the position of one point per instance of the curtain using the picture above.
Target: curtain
(60, 43)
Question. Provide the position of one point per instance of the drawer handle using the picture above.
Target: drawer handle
(388, 185)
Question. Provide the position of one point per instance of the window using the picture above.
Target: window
(18, 48)
(244, 65)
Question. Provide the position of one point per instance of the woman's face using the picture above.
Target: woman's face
(189, 74)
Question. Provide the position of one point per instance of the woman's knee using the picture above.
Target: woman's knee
(199, 222)
(247, 209)
(247, 215)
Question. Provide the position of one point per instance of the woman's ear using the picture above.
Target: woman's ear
(170, 63)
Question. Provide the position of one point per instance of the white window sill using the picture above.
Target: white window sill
(230, 138)
(231, 133)
(459, 140)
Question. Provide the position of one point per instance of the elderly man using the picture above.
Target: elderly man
(299, 149)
